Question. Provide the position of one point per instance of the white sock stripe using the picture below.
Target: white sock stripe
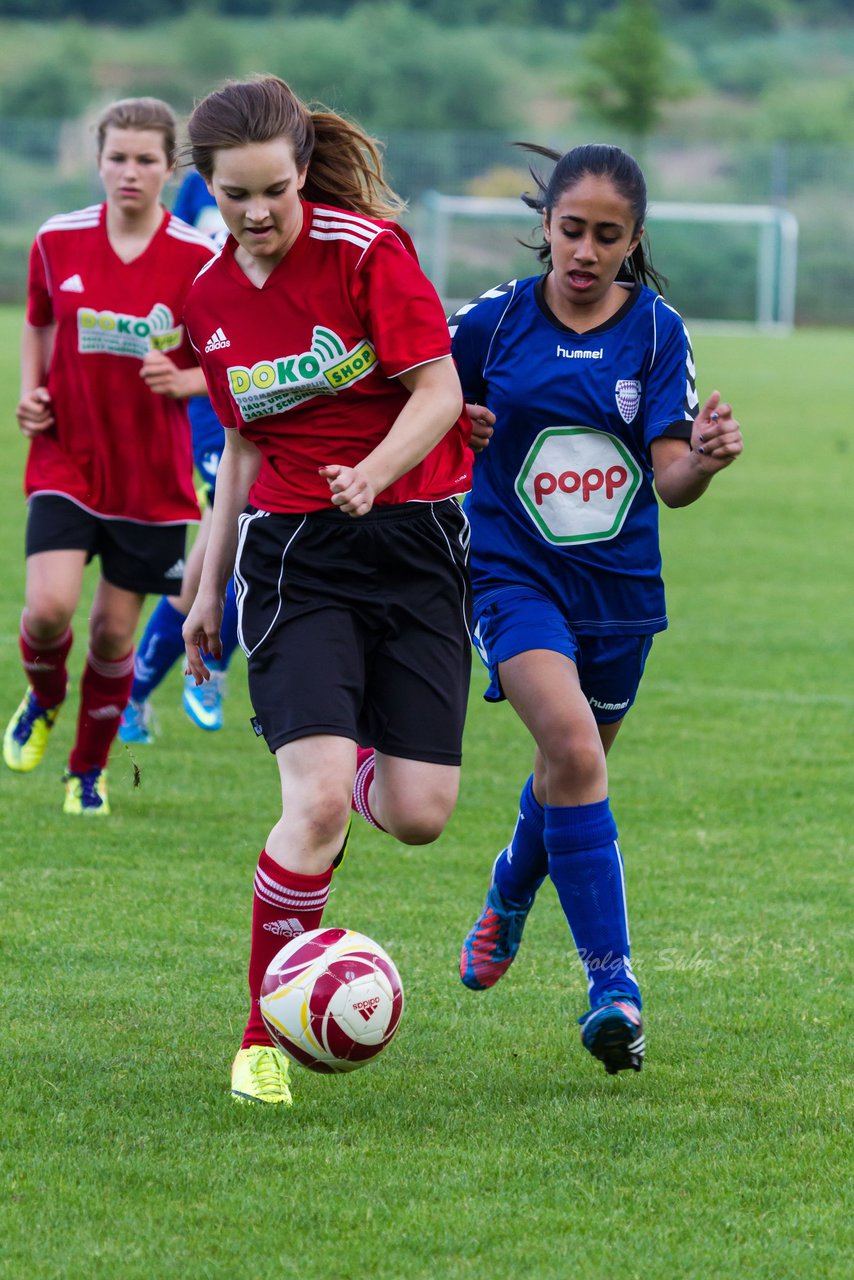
(282, 894)
(44, 645)
(110, 670)
(268, 888)
(285, 902)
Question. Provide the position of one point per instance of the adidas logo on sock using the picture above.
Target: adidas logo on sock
(216, 341)
(284, 928)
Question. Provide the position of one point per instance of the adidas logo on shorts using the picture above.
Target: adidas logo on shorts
(216, 341)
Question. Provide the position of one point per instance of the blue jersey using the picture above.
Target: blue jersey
(195, 204)
(562, 498)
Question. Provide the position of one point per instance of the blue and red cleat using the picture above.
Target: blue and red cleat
(491, 944)
(613, 1033)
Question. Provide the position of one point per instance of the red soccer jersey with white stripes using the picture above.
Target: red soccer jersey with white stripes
(117, 449)
(307, 366)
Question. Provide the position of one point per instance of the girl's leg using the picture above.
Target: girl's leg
(295, 867)
(411, 799)
(104, 690)
(54, 583)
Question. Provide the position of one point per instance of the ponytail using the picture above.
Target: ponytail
(343, 163)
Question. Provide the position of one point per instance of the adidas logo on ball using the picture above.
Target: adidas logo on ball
(216, 341)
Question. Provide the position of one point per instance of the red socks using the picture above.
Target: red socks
(44, 663)
(365, 762)
(104, 692)
(286, 904)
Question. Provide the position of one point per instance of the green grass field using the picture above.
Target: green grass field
(485, 1143)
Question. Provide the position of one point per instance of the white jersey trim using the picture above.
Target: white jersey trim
(180, 230)
(79, 219)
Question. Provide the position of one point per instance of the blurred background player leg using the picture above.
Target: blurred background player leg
(162, 644)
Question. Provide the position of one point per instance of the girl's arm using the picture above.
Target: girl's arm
(235, 475)
(434, 405)
(34, 410)
(684, 471)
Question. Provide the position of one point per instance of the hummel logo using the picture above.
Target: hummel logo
(177, 570)
(284, 928)
(72, 285)
(216, 341)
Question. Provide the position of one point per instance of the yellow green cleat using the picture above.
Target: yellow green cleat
(26, 734)
(261, 1074)
(86, 793)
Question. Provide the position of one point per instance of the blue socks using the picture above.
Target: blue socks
(586, 866)
(522, 867)
(162, 643)
(158, 650)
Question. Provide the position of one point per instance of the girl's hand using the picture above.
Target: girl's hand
(34, 412)
(201, 633)
(161, 376)
(716, 437)
(482, 424)
(352, 490)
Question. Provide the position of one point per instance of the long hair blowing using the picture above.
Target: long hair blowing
(602, 161)
(343, 163)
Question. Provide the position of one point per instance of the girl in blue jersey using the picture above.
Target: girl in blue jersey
(583, 382)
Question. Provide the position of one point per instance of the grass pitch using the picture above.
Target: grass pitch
(485, 1142)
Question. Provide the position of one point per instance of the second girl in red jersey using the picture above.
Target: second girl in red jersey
(105, 370)
(327, 358)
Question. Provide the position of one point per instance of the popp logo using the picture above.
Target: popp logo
(577, 484)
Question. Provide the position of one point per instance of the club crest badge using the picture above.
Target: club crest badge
(628, 392)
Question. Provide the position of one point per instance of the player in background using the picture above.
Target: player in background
(162, 643)
(584, 407)
(105, 371)
(346, 441)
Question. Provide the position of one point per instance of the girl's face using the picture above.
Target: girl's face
(591, 230)
(257, 188)
(134, 169)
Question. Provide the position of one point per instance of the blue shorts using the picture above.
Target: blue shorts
(208, 441)
(515, 620)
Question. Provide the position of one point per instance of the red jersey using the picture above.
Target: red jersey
(307, 367)
(116, 448)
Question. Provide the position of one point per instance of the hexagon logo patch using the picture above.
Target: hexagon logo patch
(577, 484)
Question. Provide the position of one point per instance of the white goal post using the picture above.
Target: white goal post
(776, 244)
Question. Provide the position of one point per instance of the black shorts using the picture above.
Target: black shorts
(358, 627)
(146, 558)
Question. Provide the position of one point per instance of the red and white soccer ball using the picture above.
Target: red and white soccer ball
(331, 999)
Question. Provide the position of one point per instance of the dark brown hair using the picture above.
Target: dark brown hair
(140, 113)
(599, 160)
(344, 164)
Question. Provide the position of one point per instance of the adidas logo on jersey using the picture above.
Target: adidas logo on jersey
(72, 285)
(216, 341)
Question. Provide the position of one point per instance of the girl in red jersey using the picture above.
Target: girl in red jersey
(105, 370)
(327, 358)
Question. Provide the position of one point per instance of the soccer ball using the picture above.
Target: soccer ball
(331, 999)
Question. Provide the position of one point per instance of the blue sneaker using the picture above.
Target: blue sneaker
(613, 1033)
(203, 702)
(136, 723)
(492, 942)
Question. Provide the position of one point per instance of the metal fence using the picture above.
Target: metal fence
(49, 166)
